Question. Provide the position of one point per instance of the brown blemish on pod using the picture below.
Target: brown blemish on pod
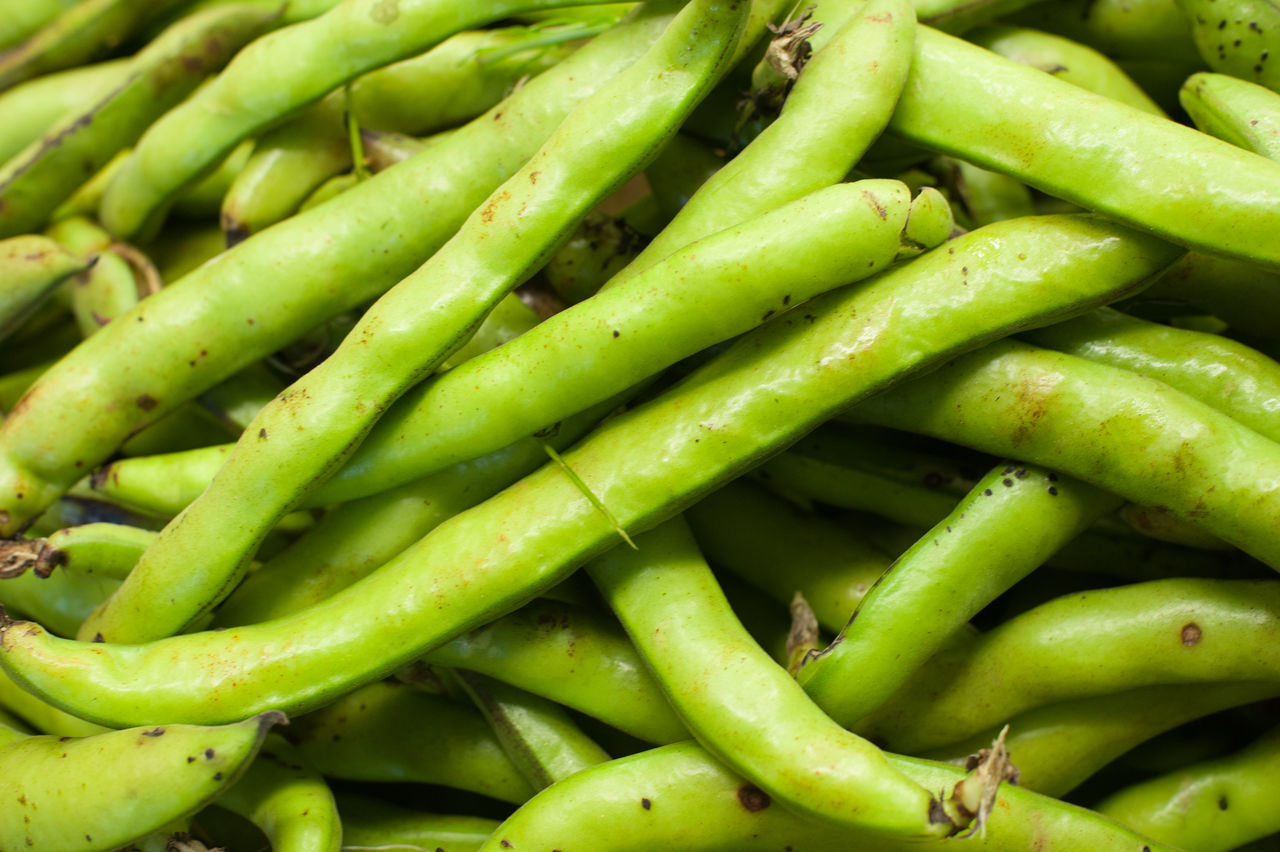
(752, 798)
(1191, 634)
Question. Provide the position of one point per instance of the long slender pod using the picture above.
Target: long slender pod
(23, 19)
(1210, 807)
(311, 428)
(1154, 29)
(741, 705)
(32, 108)
(760, 395)
(1010, 523)
(1147, 442)
(372, 824)
(220, 318)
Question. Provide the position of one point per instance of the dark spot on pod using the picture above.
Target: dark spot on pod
(646, 804)
(1007, 483)
(1191, 634)
(262, 434)
(191, 760)
(786, 300)
(217, 776)
(986, 492)
(617, 333)
(1053, 477)
(88, 839)
(234, 232)
(753, 798)
(65, 739)
(147, 402)
(1235, 43)
(98, 637)
(154, 732)
(938, 814)
(496, 116)
(1222, 803)
(1008, 470)
(505, 844)
(208, 754)
(1222, 25)
(1020, 473)
(1053, 492)
(767, 314)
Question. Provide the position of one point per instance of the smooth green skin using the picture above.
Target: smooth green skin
(1059, 746)
(1128, 434)
(103, 549)
(990, 196)
(61, 601)
(776, 547)
(959, 16)
(759, 396)
(839, 105)
(105, 290)
(573, 656)
(14, 385)
(1154, 29)
(102, 791)
(23, 19)
(1245, 114)
(1076, 64)
(287, 165)
(370, 824)
(43, 717)
(387, 731)
(31, 108)
(80, 33)
(537, 734)
(710, 291)
(1210, 807)
(1240, 294)
(1233, 378)
(220, 318)
(696, 804)
(287, 799)
(384, 149)
(237, 400)
(452, 83)
(1087, 644)
(1237, 37)
(203, 199)
(84, 201)
(741, 705)
(1013, 520)
(313, 427)
(1143, 170)
(34, 182)
(30, 268)
(304, 61)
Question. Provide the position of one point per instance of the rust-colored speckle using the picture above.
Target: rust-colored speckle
(147, 402)
(1191, 634)
(533, 177)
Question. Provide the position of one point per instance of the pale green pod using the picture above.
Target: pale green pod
(287, 799)
(30, 268)
(32, 107)
(1234, 110)
(370, 824)
(1237, 37)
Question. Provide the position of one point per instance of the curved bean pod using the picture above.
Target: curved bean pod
(1240, 294)
(315, 425)
(1236, 37)
(370, 824)
(1148, 443)
(1091, 643)
(1059, 746)
(37, 180)
(1145, 171)
(52, 798)
(220, 319)
(105, 549)
(1210, 807)
(678, 797)
(745, 708)
(760, 395)
(287, 799)
(30, 268)
(1007, 526)
(61, 601)
(390, 732)
(1245, 114)
(26, 18)
(1155, 29)
(41, 716)
(31, 108)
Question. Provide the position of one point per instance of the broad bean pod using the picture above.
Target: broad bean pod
(304, 61)
(41, 716)
(304, 435)
(746, 709)
(156, 776)
(30, 268)
(31, 108)
(1163, 632)
(1008, 525)
(39, 178)
(1061, 745)
(1149, 443)
(1154, 29)
(1236, 37)
(26, 18)
(374, 824)
(680, 797)
(989, 196)
(391, 732)
(1210, 807)
(1245, 114)
(1146, 171)
(116, 281)
(757, 397)
(108, 550)
(220, 319)
(1239, 294)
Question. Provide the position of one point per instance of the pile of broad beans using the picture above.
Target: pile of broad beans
(709, 425)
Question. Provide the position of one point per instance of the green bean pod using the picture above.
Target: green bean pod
(203, 199)
(390, 732)
(1059, 746)
(774, 546)
(760, 395)
(1245, 114)
(26, 18)
(369, 824)
(1154, 29)
(61, 601)
(304, 61)
(1007, 526)
(1240, 294)
(220, 319)
(41, 716)
(32, 108)
(1236, 37)
(1149, 172)
(741, 705)
(680, 797)
(35, 181)
(1210, 807)
(539, 737)
(1148, 443)
(990, 196)
(1076, 64)
(30, 268)
(53, 797)
(105, 549)
(1093, 643)
(287, 799)
(116, 282)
